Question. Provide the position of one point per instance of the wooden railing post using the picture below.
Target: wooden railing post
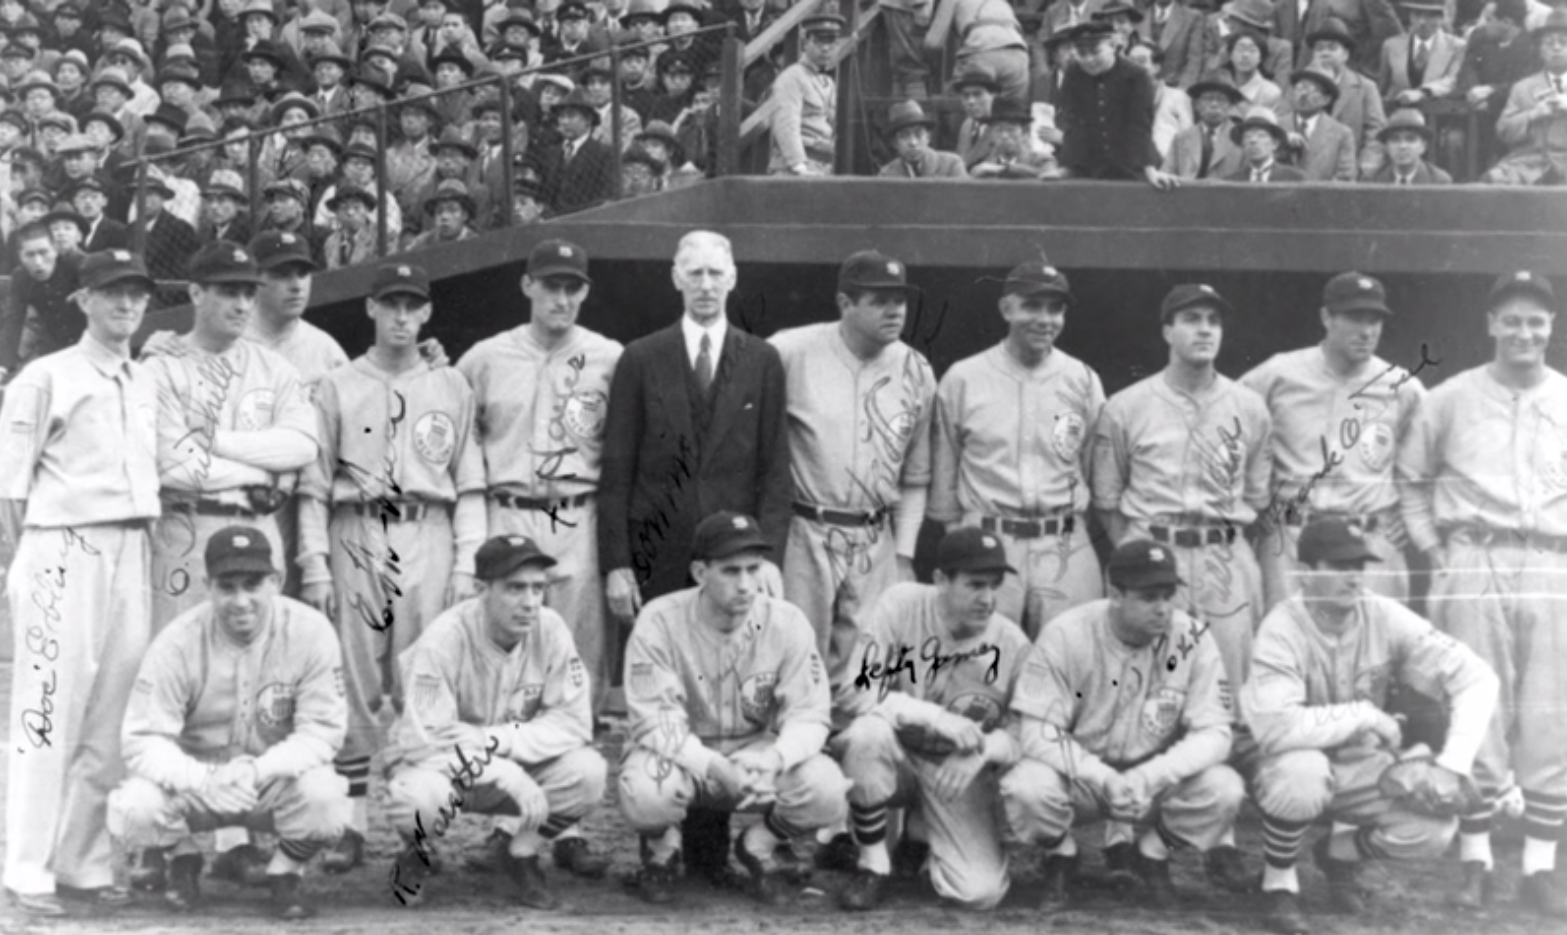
(730, 98)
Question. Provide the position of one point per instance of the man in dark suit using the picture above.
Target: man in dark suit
(90, 196)
(1177, 30)
(1370, 22)
(168, 241)
(581, 170)
(1260, 138)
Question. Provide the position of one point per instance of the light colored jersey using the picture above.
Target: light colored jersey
(691, 690)
(908, 669)
(1013, 441)
(384, 436)
(462, 688)
(1313, 691)
(245, 389)
(1164, 708)
(313, 352)
(1482, 454)
(201, 699)
(1161, 453)
(78, 439)
(1337, 434)
(858, 430)
(542, 413)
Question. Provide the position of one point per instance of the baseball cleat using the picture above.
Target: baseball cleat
(288, 898)
(1477, 891)
(574, 855)
(1284, 914)
(1226, 870)
(768, 886)
(864, 892)
(346, 854)
(183, 892)
(1053, 893)
(531, 889)
(245, 865)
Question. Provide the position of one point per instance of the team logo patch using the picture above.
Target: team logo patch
(1376, 447)
(1161, 711)
(430, 698)
(256, 409)
(756, 697)
(524, 703)
(978, 707)
(435, 435)
(1066, 439)
(644, 680)
(577, 672)
(585, 412)
(275, 706)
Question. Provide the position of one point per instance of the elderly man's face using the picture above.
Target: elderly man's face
(1258, 145)
(1309, 98)
(1006, 138)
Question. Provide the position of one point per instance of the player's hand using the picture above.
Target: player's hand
(1387, 729)
(964, 735)
(532, 806)
(956, 773)
(460, 589)
(231, 788)
(723, 774)
(1128, 798)
(432, 353)
(623, 595)
(759, 770)
(905, 568)
(1409, 98)
(322, 595)
(772, 579)
(1163, 181)
(162, 343)
(1480, 93)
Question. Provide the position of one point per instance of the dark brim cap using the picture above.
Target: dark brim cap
(1191, 295)
(1334, 540)
(1354, 292)
(239, 550)
(1523, 282)
(1322, 81)
(503, 555)
(111, 266)
(1143, 563)
(870, 269)
(969, 548)
(1036, 278)
(558, 258)
(274, 249)
(400, 279)
(222, 262)
(727, 533)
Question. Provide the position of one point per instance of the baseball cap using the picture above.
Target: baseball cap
(111, 266)
(1354, 292)
(1142, 563)
(969, 548)
(400, 279)
(1188, 295)
(558, 258)
(1036, 277)
(273, 249)
(870, 269)
(221, 261)
(1330, 539)
(724, 534)
(503, 555)
(1523, 282)
(238, 550)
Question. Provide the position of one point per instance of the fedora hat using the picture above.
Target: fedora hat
(1216, 83)
(1260, 118)
(905, 114)
(1405, 120)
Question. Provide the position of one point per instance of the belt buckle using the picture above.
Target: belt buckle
(1188, 538)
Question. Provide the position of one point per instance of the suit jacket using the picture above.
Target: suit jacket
(932, 165)
(1441, 73)
(659, 477)
(109, 235)
(170, 243)
(1181, 39)
(973, 148)
(1185, 155)
(1107, 122)
(1543, 139)
(1329, 154)
(1276, 175)
(582, 183)
(1371, 22)
(1359, 107)
(1425, 174)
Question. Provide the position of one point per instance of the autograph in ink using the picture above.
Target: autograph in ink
(651, 531)
(465, 774)
(884, 668)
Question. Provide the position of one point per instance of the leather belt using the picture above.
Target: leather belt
(1029, 528)
(1192, 537)
(534, 503)
(1368, 522)
(1485, 536)
(838, 517)
(402, 511)
(206, 507)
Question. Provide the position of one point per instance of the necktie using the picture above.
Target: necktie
(1259, 175)
(704, 364)
(1422, 55)
(1207, 154)
(570, 151)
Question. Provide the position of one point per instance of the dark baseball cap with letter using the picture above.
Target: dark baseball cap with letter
(726, 533)
(242, 550)
(503, 555)
(870, 269)
(400, 279)
(274, 249)
(1333, 540)
(969, 548)
(1354, 292)
(221, 261)
(1191, 295)
(1036, 277)
(1523, 282)
(1143, 563)
(111, 266)
(558, 258)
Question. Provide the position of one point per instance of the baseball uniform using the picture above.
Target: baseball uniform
(1335, 438)
(859, 440)
(228, 425)
(401, 477)
(694, 693)
(541, 427)
(910, 671)
(78, 446)
(1093, 708)
(1191, 472)
(530, 705)
(1309, 701)
(1011, 455)
(201, 701)
(1484, 470)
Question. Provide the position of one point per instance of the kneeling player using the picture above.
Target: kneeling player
(1321, 670)
(1125, 713)
(498, 722)
(234, 720)
(936, 668)
(729, 710)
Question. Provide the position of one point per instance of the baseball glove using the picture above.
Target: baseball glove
(1421, 785)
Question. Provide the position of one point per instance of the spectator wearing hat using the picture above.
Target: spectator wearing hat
(184, 177)
(641, 173)
(14, 130)
(976, 89)
(1422, 64)
(329, 68)
(676, 83)
(410, 162)
(659, 139)
(52, 130)
(1367, 23)
(751, 18)
(369, 86)
(168, 241)
(68, 230)
(598, 86)
(989, 35)
(70, 76)
(1534, 122)
(454, 159)
(1319, 145)
(270, 70)
(1008, 154)
(1106, 114)
(308, 31)
(576, 37)
(908, 131)
(1358, 103)
(451, 38)
(90, 196)
(805, 97)
(16, 61)
(527, 202)
(451, 106)
(638, 80)
(223, 204)
(1247, 17)
(181, 27)
(450, 213)
(323, 149)
(358, 170)
(354, 239)
(40, 315)
(127, 56)
(286, 201)
(1407, 138)
(682, 18)
(1172, 107)
(77, 157)
(1123, 19)
(69, 36)
(1497, 54)
(38, 94)
(1206, 150)
(580, 173)
(1262, 141)
(1176, 30)
(1243, 68)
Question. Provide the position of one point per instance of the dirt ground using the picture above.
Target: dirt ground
(361, 903)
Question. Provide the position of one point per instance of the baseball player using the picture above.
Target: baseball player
(78, 469)
(1012, 442)
(1182, 458)
(499, 720)
(1321, 674)
(859, 408)
(1485, 498)
(729, 710)
(391, 513)
(1338, 412)
(542, 391)
(236, 714)
(936, 667)
(1125, 712)
(287, 271)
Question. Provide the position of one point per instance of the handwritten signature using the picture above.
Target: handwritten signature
(42, 645)
(465, 773)
(884, 668)
(651, 531)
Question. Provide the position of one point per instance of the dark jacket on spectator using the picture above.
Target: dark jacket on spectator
(107, 234)
(1107, 122)
(585, 181)
(61, 322)
(168, 246)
